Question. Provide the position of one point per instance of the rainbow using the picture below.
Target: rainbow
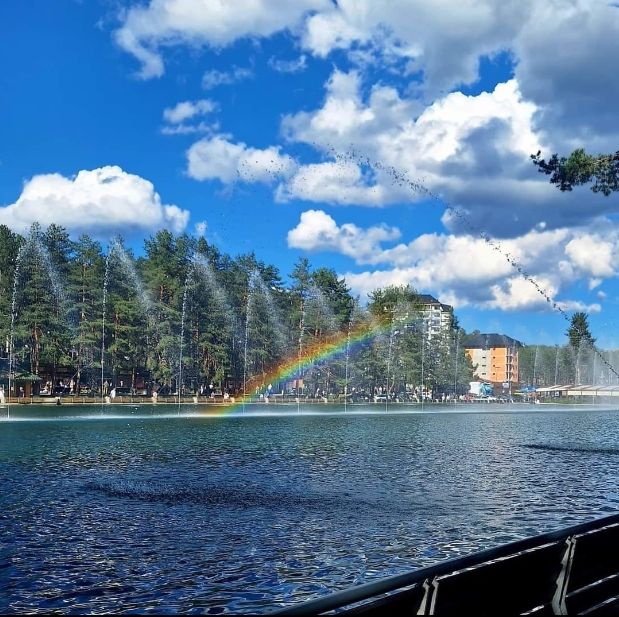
(322, 350)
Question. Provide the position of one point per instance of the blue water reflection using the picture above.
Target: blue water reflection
(137, 511)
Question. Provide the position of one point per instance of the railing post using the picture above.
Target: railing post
(558, 600)
(428, 595)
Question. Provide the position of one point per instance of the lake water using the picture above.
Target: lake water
(132, 511)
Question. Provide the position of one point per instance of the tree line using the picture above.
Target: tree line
(579, 361)
(185, 314)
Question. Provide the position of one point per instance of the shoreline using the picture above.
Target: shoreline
(208, 402)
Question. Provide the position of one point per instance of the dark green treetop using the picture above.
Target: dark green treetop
(581, 168)
(579, 330)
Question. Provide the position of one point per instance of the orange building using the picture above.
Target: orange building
(494, 357)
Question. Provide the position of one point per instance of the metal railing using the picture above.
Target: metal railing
(574, 570)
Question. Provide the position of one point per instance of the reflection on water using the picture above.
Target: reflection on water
(147, 512)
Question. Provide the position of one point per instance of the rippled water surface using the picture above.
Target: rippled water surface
(136, 512)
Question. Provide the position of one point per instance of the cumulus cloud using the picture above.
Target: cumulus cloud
(163, 23)
(445, 44)
(437, 49)
(200, 228)
(218, 158)
(100, 202)
(334, 182)
(317, 231)
(470, 151)
(346, 118)
(427, 142)
(575, 90)
(593, 254)
(468, 270)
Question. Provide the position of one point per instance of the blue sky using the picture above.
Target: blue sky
(293, 128)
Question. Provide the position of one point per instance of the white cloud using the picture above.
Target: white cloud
(100, 202)
(445, 42)
(434, 46)
(334, 182)
(186, 110)
(577, 305)
(162, 23)
(181, 119)
(470, 151)
(468, 270)
(217, 158)
(317, 231)
(594, 282)
(594, 254)
(517, 293)
(575, 90)
(214, 78)
(392, 131)
(345, 119)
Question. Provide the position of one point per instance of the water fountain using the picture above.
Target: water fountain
(248, 308)
(117, 250)
(20, 255)
(301, 332)
(456, 365)
(313, 303)
(260, 305)
(578, 361)
(105, 285)
(347, 361)
(182, 338)
(272, 313)
(202, 270)
(351, 320)
(392, 332)
(317, 315)
(594, 375)
(401, 179)
(34, 247)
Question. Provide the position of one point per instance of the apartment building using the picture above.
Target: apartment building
(438, 317)
(494, 356)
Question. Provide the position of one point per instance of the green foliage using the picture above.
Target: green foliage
(578, 332)
(546, 365)
(240, 320)
(10, 243)
(581, 168)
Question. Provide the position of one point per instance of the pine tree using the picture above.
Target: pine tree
(86, 276)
